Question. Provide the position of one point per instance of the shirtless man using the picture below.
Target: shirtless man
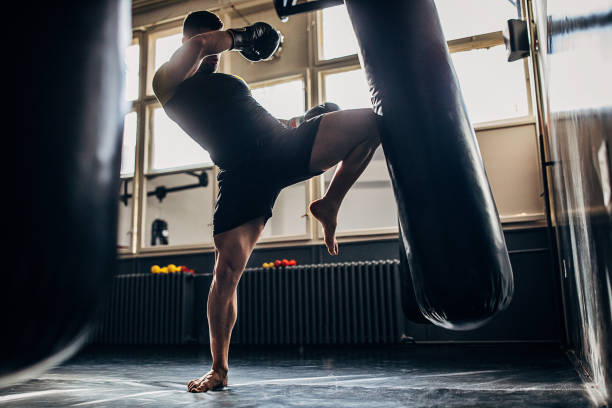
(257, 156)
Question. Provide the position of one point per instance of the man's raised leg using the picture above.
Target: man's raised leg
(232, 251)
(349, 137)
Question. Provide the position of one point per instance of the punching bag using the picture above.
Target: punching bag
(450, 227)
(64, 110)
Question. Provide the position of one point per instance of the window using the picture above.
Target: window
(492, 88)
(370, 203)
(165, 47)
(348, 89)
(466, 18)
(289, 213)
(372, 194)
(185, 211)
(162, 45)
(132, 64)
(283, 100)
(171, 147)
(124, 222)
(337, 35)
(128, 149)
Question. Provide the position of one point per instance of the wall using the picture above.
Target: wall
(575, 65)
(535, 313)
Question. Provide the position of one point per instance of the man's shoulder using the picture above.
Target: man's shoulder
(163, 88)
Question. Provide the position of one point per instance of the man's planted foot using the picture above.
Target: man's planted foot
(212, 380)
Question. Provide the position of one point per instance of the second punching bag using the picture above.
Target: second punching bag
(450, 227)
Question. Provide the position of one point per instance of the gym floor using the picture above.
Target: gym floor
(506, 375)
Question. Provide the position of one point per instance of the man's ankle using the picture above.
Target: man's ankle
(221, 370)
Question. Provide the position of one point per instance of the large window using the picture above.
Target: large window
(171, 147)
(126, 202)
(466, 18)
(125, 208)
(128, 148)
(285, 99)
(164, 203)
(179, 209)
(347, 88)
(132, 63)
(370, 203)
(338, 38)
(493, 89)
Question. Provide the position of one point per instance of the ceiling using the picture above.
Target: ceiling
(140, 6)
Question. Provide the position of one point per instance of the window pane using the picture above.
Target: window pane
(165, 47)
(186, 215)
(493, 88)
(370, 203)
(470, 17)
(128, 149)
(124, 224)
(172, 147)
(162, 51)
(288, 212)
(338, 36)
(132, 62)
(283, 100)
(348, 89)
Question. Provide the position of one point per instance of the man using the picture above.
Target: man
(257, 156)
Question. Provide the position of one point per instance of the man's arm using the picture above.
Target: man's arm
(186, 60)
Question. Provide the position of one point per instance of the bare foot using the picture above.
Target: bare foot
(326, 214)
(212, 380)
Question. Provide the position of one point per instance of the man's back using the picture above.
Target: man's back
(218, 111)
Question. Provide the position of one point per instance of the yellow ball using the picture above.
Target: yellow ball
(163, 270)
(155, 269)
(171, 268)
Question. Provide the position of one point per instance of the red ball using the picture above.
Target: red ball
(285, 262)
(278, 262)
(292, 262)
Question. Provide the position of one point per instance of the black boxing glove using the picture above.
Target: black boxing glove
(321, 109)
(313, 113)
(255, 42)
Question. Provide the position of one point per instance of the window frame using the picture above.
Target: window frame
(307, 235)
(148, 171)
(209, 245)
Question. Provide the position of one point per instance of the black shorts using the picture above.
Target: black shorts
(250, 191)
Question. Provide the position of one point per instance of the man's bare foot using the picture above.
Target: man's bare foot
(212, 380)
(327, 215)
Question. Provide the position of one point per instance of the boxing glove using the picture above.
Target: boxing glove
(255, 42)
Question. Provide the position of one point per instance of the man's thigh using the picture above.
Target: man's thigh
(339, 133)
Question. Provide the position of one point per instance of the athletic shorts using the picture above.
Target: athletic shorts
(249, 192)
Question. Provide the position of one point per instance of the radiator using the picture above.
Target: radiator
(148, 309)
(341, 303)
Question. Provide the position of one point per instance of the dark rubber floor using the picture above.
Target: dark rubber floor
(394, 376)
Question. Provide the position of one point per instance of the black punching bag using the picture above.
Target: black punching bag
(64, 106)
(449, 223)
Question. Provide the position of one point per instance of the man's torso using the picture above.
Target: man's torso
(219, 113)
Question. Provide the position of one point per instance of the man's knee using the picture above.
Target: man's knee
(226, 276)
